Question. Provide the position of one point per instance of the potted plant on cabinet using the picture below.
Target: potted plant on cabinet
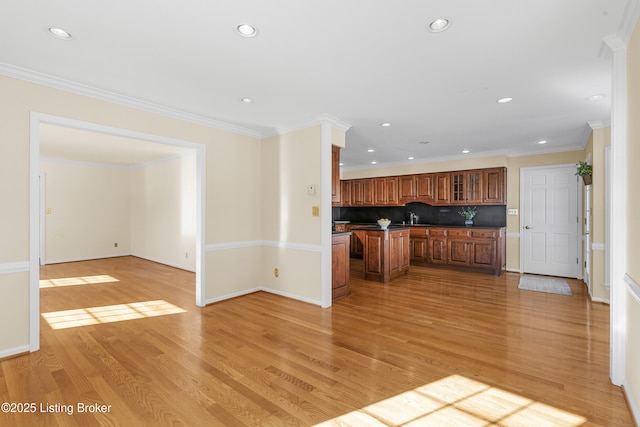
(468, 213)
(585, 170)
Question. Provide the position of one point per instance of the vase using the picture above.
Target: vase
(586, 179)
(468, 222)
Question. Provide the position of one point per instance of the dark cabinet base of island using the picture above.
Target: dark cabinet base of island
(340, 265)
(385, 252)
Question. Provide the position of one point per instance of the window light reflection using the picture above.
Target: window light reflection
(457, 400)
(110, 313)
(75, 281)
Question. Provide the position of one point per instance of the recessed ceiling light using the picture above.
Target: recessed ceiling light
(59, 33)
(374, 162)
(466, 151)
(385, 124)
(370, 150)
(246, 30)
(596, 97)
(247, 100)
(543, 141)
(504, 100)
(410, 158)
(439, 25)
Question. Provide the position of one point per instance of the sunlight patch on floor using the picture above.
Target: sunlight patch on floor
(457, 401)
(75, 281)
(110, 313)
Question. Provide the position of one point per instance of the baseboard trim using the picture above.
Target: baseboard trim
(263, 289)
(14, 352)
(62, 261)
(180, 267)
(635, 412)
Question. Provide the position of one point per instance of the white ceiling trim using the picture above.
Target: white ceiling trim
(69, 86)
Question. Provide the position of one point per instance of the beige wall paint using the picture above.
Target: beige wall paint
(632, 373)
(600, 139)
(90, 211)
(232, 179)
(287, 218)
(163, 211)
(14, 313)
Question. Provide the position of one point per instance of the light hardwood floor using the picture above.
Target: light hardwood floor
(433, 348)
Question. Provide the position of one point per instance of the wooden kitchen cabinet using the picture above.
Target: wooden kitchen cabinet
(340, 265)
(458, 253)
(466, 187)
(345, 192)
(480, 249)
(357, 192)
(407, 189)
(493, 186)
(441, 188)
(425, 188)
(335, 176)
(386, 253)
(418, 246)
(386, 191)
(356, 248)
(437, 246)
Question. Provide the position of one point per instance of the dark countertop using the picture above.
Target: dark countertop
(374, 226)
(339, 233)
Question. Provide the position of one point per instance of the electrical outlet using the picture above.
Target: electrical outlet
(311, 189)
(276, 273)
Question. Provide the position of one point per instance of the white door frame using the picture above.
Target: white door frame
(36, 210)
(578, 242)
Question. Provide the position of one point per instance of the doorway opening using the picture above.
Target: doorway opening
(152, 142)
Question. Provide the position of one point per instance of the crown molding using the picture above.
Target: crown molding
(80, 89)
(307, 123)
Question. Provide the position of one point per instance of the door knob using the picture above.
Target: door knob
(527, 227)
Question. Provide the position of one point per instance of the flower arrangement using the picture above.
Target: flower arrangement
(468, 212)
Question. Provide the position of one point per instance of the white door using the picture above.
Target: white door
(549, 220)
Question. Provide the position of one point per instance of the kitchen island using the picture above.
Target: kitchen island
(385, 251)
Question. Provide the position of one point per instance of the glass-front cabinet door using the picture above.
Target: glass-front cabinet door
(466, 187)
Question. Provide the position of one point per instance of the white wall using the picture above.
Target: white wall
(163, 211)
(90, 211)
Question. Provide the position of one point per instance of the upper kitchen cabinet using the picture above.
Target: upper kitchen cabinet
(466, 187)
(441, 188)
(386, 191)
(493, 186)
(407, 191)
(335, 176)
(425, 188)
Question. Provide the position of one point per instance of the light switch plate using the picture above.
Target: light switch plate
(512, 211)
(311, 189)
(315, 210)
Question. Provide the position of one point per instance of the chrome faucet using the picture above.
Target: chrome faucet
(413, 218)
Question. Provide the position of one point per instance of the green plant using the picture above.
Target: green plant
(583, 169)
(468, 213)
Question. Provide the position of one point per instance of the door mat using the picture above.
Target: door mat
(544, 284)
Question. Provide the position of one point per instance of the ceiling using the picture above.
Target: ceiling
(363, 62)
